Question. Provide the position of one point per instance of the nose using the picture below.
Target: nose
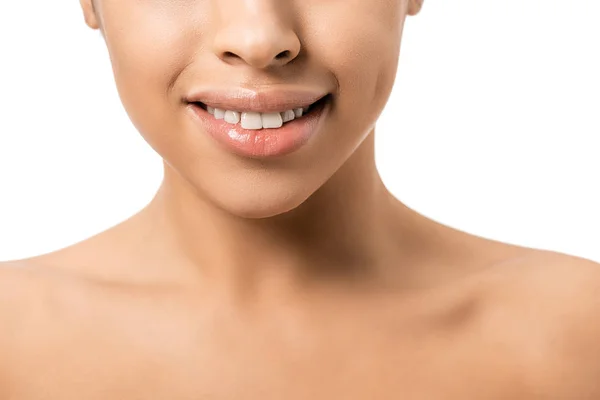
(259, 33)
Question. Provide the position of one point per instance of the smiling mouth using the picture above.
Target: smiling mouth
(259, 120)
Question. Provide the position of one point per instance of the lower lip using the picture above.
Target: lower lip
(262, 142)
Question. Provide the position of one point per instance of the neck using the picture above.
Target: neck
(352, 228)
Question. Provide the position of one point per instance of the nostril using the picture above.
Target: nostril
(229, 54)
(283, 54)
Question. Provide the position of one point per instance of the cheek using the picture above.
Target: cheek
(144, 45)
(147, 50)
(360, 45)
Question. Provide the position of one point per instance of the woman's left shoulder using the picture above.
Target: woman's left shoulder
(563, 287)
(552, 301)
(573, 280)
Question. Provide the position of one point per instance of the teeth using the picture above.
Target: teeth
(288, 116)
(233, 117)
(254, 120)
(272, 120)
(219, 114)
(251, 120)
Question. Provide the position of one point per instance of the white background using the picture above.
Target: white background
(492, 127)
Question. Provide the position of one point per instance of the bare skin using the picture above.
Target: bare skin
(301, 277)
(518, 324)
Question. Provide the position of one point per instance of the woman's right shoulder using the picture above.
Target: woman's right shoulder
(18, 280)
(22, 291)
(27, 290)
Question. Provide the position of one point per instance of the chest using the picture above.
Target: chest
(278, 361)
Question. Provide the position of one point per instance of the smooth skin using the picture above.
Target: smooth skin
(294, 278)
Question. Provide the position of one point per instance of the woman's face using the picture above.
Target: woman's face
(163, 50)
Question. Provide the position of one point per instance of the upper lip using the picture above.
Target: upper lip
(244, 100)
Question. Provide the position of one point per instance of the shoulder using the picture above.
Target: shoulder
(23, 290)
(16, 288)
(27, 294)
(545, 278)
(18, 282)
(30, 306)
(30, 290)
(561, 279)
(549, 303)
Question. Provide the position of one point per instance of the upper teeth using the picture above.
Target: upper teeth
(255, 120)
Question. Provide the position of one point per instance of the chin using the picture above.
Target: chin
(258, 204)
(240, 191)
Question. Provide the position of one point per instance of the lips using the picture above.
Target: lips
(246, 100)
(266, 142)
(310, 107)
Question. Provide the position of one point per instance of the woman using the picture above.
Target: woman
(273, 262)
